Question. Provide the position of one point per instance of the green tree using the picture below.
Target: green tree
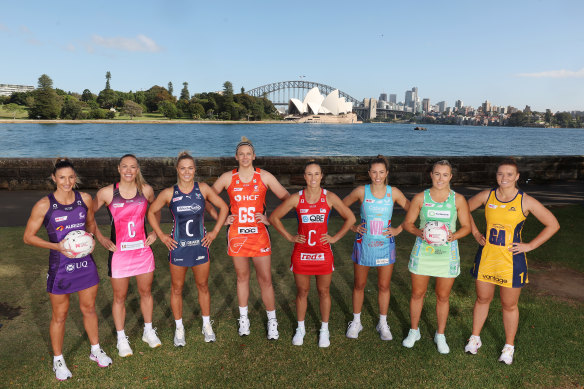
(154, 96)
(564, 119)
(184, 93)
(548, 117)
(132, 109)
(517, 119)
(108, 77)
(14, 109)
(87, 95)
(168, 109)
(47, 104)
(71, 108)
(196, 110)
(170, 88)
(97, 113)
(107, 98)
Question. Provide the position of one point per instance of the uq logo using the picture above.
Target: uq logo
(75, 266)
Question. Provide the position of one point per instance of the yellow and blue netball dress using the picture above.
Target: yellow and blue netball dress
(436, 261)
(494, 262)
(373, 248)
(188, 210)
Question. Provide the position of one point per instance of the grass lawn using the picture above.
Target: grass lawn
(550, 329)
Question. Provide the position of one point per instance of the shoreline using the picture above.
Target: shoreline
(149, 121)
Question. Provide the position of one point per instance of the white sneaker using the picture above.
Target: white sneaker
(473, 345)
(61, 370)
(243, 326)
(208, 332)
(273, 329)
(324, 338)
(179, 337)
(298, 338)
(384, 332)
(353, 330)
(101, 358)
(507, 355)
(151, 338)
(440, 340)
(124, 349)
(413, 337)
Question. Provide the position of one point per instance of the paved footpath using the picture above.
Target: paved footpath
(15, 206)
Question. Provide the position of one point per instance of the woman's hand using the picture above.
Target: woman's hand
(107, 243)
(64, 251)
(208, 239)
(517, 248)
(360, 228)
(326, 238)
(390, 231)
(150, 239)
(230, 219)
(261, 218)
(298, 239)
(480, 238)
(169, 242)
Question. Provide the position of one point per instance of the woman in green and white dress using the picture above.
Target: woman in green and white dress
(439, 203)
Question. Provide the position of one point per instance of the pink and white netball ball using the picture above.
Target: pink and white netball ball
(79, 242)
(436, 233)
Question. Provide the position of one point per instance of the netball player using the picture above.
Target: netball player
(247, 234)
(312, 253)
(61, 212)
(501, 258)
(375, 242)
(188, 242)
(130, 253)
(439, 203)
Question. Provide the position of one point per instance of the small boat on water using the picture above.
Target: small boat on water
(420, 128)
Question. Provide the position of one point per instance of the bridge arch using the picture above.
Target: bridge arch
(281, 92)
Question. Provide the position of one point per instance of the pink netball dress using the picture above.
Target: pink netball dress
(132, 256)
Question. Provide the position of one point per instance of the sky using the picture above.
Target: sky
(514, 52)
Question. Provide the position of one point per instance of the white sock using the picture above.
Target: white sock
(324, 326)
(121, 334)
(179, 323)
(510, 346)
(243, 311)
(58, 357)
(95, 348)
(301, 324)
(147, 326)
(382, 319)
(271, 314)
(206, 320)
(357, 317)
(475, 337)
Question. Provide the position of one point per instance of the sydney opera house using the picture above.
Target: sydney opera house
(317, 108)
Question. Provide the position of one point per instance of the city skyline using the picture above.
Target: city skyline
(509, 53)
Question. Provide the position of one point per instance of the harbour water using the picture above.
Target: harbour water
(33, 140)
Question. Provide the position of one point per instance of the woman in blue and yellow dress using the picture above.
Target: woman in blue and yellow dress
(501, 259)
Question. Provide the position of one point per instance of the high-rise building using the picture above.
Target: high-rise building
(426, 105)
(459, 104)
(441, 106)
(393, 98)
(486, 106)
(408, 100)
(383, 97)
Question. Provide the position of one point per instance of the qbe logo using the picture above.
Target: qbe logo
(312, 256)
(314, 218)
(247, 230)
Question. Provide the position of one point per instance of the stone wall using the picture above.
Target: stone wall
(23, 174)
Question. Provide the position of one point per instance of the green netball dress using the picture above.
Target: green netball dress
(436, 261)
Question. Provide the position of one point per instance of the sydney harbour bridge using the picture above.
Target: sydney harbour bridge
(280, 93)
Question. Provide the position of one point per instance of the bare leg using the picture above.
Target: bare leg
(383, 281)
(509, 300)
(241, 265)
(120, 291)
(359, 286)
(443, 287)
(60, 308)
(302, 288)
(419, 287)
(323, 283)
(87, 306)
(201, 273)
(263, 268)
(177, 281)
(485, 293)
(144, 282)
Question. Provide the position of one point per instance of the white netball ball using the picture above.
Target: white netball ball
(79, 242)
(436, 233)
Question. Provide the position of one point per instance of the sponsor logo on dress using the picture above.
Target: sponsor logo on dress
(382, 261)
(179, 198)
(313, 218)
(304, 211)
(55, 206)
(512, 209)
(189, 208)
(81, 215)
(377, 209)
(439, 214)
(68, 208)
(129, 246)
(118, 205)
(200, 257)
(198, 196)
(237, 189)
(256, 188)
(493, 206)
(246, 197)
(496, 279)
(369, 200)
(376, 243)
(430, 205)
(235, 244)
(60, 228)
(312, 256)
(247, 230)
(60, 219)
(265, 250)
(76, 225)
(189, 243)
(178, 260)
(71, 267)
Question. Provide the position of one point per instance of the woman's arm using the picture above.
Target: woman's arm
(161, 201)
(412, 215)
(475, 202)
(281, 211)
(211, 196)
(35, 221)
(335, 202)
(464, 219)
(545, 217)
(402, 200)
(104, 196)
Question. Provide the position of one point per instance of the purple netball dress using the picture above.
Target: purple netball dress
(68, 275)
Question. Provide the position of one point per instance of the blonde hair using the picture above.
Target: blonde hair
(184, 155)
(442, 162)
(244, 142)
(139, 180)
